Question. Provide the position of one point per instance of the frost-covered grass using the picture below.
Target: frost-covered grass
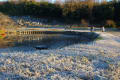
(26, 66)
(39, 66)
(99, 60)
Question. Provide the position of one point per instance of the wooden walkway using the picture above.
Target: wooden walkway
(29, 31)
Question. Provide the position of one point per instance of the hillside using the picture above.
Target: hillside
(7, 23)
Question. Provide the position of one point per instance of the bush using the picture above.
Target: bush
(110, 23)
(84, 23)
(118, 24)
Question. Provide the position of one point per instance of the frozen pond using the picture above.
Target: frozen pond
(49, 39)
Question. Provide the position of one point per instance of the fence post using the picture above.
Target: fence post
(103, 29)
(92, 29)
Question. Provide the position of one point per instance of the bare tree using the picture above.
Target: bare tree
(58, 1)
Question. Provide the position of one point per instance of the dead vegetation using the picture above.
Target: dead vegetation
(6, 22)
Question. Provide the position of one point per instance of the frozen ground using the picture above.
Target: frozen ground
(98, 60)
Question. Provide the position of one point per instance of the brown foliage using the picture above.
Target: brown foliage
(6, 21)
(110, 23)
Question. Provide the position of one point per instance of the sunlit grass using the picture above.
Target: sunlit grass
(2, 34)
(2, 31)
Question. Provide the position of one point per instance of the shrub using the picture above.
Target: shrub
(118, 24)
(110, 23)
(84, 23)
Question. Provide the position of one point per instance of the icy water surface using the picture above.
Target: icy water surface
(51, 40)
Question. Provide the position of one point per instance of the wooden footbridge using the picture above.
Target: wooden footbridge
(29, 31)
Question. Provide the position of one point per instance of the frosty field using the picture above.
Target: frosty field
(98, 60)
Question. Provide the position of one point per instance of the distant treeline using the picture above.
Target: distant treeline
(105, 13)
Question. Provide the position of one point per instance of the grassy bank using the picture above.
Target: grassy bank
(7, 23)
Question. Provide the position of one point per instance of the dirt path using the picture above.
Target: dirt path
(117, 33)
